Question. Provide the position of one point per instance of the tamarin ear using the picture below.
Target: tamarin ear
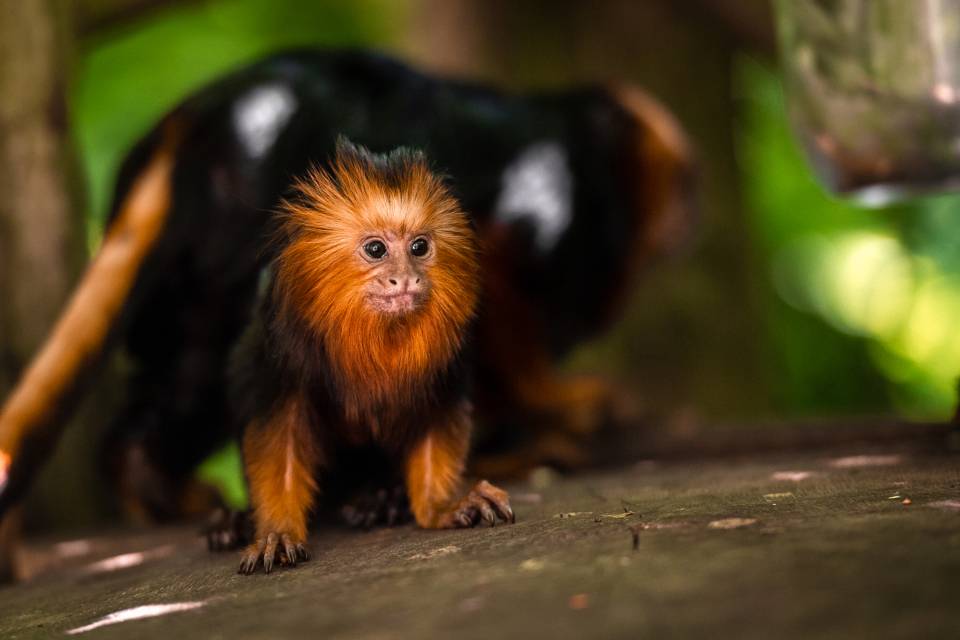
(662, 167)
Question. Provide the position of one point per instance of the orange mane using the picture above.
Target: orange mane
(379, 363)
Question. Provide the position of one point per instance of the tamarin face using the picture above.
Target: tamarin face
(380, 263)
(397, 266)
(378, 238)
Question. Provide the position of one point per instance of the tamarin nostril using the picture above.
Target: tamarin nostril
(392, 281)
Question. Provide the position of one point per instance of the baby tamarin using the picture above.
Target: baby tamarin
(360, 340)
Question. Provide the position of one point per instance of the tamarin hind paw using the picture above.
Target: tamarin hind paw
(381, 508)
(485, 503)
(271, 548)
(228, 530)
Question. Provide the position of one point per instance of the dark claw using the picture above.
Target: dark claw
(504, 512)
(270, 552)
(289, 550)
(486, 503)
(266, 549)
(487, 514)
(498, 499)
(249, 563)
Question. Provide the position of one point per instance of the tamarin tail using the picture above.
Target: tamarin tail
(33, 415)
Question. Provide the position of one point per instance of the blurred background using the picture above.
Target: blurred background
(786, 304)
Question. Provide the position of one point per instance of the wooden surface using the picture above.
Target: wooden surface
(848, 542)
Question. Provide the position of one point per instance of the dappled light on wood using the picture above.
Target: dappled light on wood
(137, 613)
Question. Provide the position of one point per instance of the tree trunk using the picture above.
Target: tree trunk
(41, 238)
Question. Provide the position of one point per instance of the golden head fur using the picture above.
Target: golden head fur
(380, 263)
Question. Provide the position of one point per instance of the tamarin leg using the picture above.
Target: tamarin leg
(176, 415)
(513, 331)
(518, 381)
(152, 449)
(281, 456)
(578, 405)
(434, 472)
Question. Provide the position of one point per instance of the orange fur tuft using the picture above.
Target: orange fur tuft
(379, 363)
(280, 458)
(434, 468)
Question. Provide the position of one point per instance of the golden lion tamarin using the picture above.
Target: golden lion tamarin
(359, 341)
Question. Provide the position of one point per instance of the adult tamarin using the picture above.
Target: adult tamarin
(568, 193)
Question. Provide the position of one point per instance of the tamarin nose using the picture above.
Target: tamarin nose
(403, 284)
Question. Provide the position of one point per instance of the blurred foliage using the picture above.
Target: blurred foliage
(224, 470)
(860, 303)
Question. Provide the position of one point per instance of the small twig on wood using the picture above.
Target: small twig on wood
(635, 533)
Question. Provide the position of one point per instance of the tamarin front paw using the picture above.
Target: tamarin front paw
(270, 548)
(485, 503)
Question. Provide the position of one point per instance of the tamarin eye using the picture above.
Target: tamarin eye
(419, 247)
(375, 249)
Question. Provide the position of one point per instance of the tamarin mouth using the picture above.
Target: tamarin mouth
(398, 303)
